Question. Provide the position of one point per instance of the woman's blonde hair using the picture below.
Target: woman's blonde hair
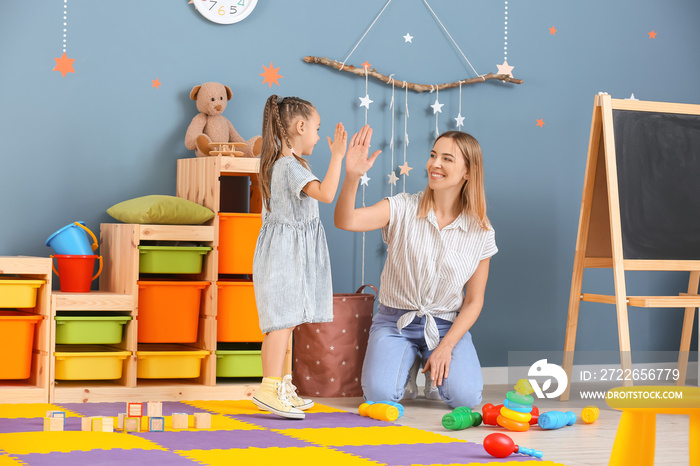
(278, 116)
(472, 197)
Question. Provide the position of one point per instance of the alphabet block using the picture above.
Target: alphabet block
(202, 420)
(180, 421)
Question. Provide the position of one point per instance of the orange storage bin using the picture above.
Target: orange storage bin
(16, 343)
(238, 234)
(169, 311)
(237, 316)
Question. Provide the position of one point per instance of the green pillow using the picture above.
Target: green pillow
(163, 210)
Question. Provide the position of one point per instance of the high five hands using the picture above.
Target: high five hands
(357, 160)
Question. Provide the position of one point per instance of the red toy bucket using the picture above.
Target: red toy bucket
(75, 272)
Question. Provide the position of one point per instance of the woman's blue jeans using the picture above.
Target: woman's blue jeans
(390, 356)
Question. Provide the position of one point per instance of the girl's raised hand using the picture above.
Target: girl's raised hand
(358, 161)
(339, 143)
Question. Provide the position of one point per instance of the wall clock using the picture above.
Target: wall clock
(225, 11)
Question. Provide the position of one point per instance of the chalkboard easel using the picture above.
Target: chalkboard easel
(640, 210)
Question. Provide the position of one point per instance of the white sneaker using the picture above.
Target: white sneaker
(272, 396)
(298, 402)
(411, 390)
(431, 393)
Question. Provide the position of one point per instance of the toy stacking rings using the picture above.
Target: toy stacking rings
(512, 425)
(516, 416)
(512, 405)
(519, 398)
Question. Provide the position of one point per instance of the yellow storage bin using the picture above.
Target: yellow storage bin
(168, 362)
(89, 362)
(18, 293)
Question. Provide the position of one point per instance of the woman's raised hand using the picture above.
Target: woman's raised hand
(357, 161)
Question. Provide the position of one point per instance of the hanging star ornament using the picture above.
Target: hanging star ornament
(505, 68)
(459, 120)
(540, 122)
(271, 75)
(365, 101)
(408, 38)
(364, 179)
(64, 65)
(393, 178)
(156, 83)
(437, 107)
(405, 169)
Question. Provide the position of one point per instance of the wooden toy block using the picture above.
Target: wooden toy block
(56, 414)
(107, 425)
(132, 424)
(120, 420)
(202, 420)
(154, 408)
(134, 409)
(53, 424)
(180, 421)
(156, 424)
(86, 424)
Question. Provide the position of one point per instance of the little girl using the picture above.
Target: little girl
(291, 266)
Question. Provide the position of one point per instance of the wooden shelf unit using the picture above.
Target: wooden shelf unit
(36, 388)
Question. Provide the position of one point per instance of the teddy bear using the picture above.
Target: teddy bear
(211, 126)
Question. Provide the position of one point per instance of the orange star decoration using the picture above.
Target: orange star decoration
(552, 31)
(366, 65)
(156, 83)
(652, 35)
(64, 65)
(540, 122)
(271, 75)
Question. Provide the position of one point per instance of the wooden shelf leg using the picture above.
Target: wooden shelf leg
(686, 334)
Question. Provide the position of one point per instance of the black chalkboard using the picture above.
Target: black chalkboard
(658, 170)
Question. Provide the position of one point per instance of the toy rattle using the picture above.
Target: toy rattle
(461, 418)
(500, 445)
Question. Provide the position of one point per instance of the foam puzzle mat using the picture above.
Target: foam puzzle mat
(239, 434)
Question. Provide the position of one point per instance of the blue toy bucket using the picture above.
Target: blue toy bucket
(71, 240)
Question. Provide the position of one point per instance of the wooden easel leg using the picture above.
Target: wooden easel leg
(686, 334)
(572, 323)
(623, 326)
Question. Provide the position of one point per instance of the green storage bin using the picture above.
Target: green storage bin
(90, 329)
(171, 259)
(238, 363)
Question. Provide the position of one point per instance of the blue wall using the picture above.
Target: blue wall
(75, 145)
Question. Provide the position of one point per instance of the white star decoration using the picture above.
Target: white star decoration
(459, 120)
(505, 68)
(392, 178)
(408, 38)
(365, 101)
(632, 97)
(332, 348)
(405, 169)
(364, 179)
(437, 107)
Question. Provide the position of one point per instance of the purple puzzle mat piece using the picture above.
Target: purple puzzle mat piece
(221, 439)
(35, 424)
(313, 420)
(443, 453)
(111, 457)
(113, 409)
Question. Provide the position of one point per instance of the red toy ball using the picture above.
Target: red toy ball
(499, 445)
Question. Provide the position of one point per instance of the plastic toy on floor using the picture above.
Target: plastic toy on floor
(500, 445)
(590, 414)
(381, 410)
(515, 413)
(556, 419)
(461, 418)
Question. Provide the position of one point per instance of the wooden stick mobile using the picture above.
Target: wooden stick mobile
(504, 75)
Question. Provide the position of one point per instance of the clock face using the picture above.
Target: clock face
(225, 11)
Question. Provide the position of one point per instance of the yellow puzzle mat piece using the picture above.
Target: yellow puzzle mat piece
(356, 436)
(247, 407)
(24, 443)
(29, 410)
